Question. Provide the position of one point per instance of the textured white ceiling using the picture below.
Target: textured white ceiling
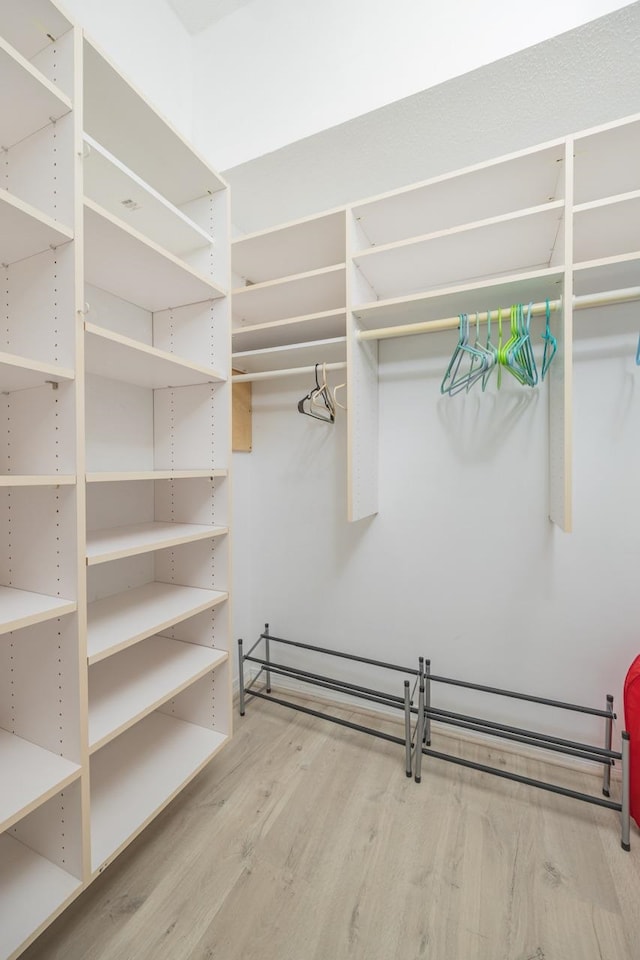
(197, 15)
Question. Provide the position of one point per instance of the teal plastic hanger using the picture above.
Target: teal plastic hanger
(551, 344)
(492, 351)
(456, 377)
(638, 353)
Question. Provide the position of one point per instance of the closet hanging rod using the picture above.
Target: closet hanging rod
(290, 372)
(451, 323)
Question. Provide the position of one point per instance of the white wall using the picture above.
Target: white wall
(151, 47)
(461, 564)
(279, 70)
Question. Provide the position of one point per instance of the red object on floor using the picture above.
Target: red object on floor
(632, 724)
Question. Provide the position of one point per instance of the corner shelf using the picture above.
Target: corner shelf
(21, 83)
(22, 608)
(25, 230)
(138, 774)
(129, 541)
(112, 355)
(30, 776)
(292, 355)
(310, 292)
(124, 619)
(294, 248)
(126, 263)
(281, 333)
(133, 683)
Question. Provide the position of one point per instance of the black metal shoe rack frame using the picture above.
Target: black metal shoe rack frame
(417, 736)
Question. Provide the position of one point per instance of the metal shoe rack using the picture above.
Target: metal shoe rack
(416, 741)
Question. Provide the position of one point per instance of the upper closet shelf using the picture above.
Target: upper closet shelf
(606, 161)
(21, 608)
(24, 230)
(28, 101)
(297, 247)
(123, 619)
(120, 191)
(490, 248)
(279, 333)
(110, 354)
(124, 262)
(113, 108)
(292, 355)
(607, 228)
(513, 183)
(136, 775)
(31, 25)
(304, 293)
(32, 889)
(37, 480)
(20, 373)
(608, 273)
(30, 776)
(128, 475)
(114, 543)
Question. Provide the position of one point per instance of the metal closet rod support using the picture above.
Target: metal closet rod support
(609, 298)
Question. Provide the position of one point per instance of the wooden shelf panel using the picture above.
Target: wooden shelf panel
(128, 476)
(128, 686)
(134, 777)
(609, 273)
(21, 608)
(25, 231)
(119, 621)
(36, 480)
(129, 541)
(293, 355)
(30, 775)
(31, 31)
(607, 229)
(483, 251)
(113, 109)
(126, 263)
(313, 326)
(110, 184)
(297, 247)
(313, 292)
(22, 84)
(606, 162)
(466, 298)
(32, 889)
(112, 355)
(523, 180)
(21, 373)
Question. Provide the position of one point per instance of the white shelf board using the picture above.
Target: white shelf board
(510, 244)
(311, 292)
(115, 543)
(606, 160)
(607, 228)
(21, 373)
(608, 273)
(25, 230)
(312, 326)
(293, 355)
(131, 266)
(121, 620)
(21, 608)
(112, 355)
(28, 101)
(127, 476)
(465, 298)
(30, 775)
(124, 194)
(522, 180)
(135, 776)
(296, 247)
(36, 480)
(128, 686)
(32, 890)
(31, 31)
(113, 109)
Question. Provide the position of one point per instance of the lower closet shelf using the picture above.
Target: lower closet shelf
(114, 543)
(21, 608)
(126, 687)
(134, 777)
(32, 889)
(30, 775)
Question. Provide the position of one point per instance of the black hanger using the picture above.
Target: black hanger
(318, 403)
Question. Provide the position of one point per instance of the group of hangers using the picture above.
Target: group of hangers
(473, 363)
(321, 402)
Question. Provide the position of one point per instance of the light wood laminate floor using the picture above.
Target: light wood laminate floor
(305, 841)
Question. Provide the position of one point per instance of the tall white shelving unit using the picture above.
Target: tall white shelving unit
(115, 454)
(556, 221)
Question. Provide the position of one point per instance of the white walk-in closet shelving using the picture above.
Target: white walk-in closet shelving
(559, 221)
(115, 453)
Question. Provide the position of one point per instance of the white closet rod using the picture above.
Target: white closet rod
(290, 372)
(452, 323)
